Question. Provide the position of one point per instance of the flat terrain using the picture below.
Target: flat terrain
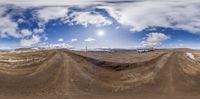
(121, 56)
(63, 74)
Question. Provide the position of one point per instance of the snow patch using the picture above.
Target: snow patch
(11, 60)
(190, 55)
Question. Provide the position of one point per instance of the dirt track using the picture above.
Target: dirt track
(65, 75)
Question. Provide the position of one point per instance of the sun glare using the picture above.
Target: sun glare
(100, 33)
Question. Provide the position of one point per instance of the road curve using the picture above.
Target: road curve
(65, 75)
(168, 79)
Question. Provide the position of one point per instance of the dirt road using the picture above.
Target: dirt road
(66, 75)
(170, 81)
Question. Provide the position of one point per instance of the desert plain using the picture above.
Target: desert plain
(68, 74)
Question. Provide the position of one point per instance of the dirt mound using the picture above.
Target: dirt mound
(33, 80)
(161, 77)
(113, 77)
(117, 66)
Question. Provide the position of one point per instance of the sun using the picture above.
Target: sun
(100, 33)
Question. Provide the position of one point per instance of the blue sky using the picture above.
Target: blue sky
(100, 24)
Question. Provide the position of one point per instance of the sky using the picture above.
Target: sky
(100, 23)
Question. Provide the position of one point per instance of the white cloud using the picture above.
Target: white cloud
(57, 45)
(175, 14)
(138, 15)
(29, 42)
(38, 30)
(26, 32)
(49, 2)
(60, 40)
(20, 20)
(46, 38)
(154, 40)
(51, 13)
(86, 18)
(74, 40)
(90, 39)
(8, 28)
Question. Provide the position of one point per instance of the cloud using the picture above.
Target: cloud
(46, 38)
(55, 46)
(51, 13)
(29, 42)
(153, 40)
(60, 40)
(20, 20)
(86, 18)
(8, 28)
(177, 14)
(49, 3)
(75, 18)
(26, 32)
(90, 39)
(137, 15)
(74, 40)
(38, 30)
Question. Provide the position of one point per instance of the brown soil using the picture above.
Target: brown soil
(62, 74)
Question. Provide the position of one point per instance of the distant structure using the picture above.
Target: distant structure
(143, 50)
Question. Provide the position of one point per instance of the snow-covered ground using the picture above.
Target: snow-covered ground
(20, 60)
(56, 46)
(11, 60)
(190, 55)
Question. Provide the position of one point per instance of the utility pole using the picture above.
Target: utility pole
(86, 50)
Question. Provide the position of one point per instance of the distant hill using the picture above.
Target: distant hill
(23, 49)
